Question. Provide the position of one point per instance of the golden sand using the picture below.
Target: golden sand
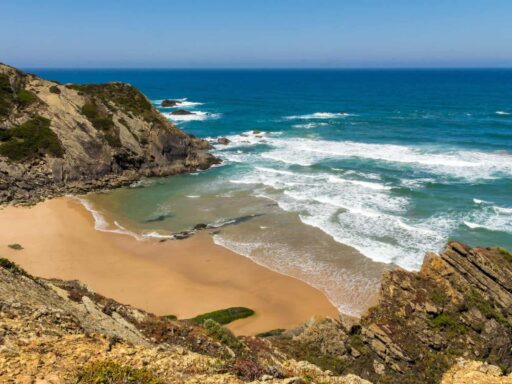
(182, 277)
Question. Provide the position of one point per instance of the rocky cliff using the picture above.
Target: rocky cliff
(54, 332)
(57, 139)
(450, 323)
(458, 306)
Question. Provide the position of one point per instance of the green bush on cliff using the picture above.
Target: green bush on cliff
(6, 96)
(505, 253)
(109, 372)
(55, 89)
(25, 97)
(29, 140)
(102, 121)
(224, 335)
(12, 267)
(224, 316)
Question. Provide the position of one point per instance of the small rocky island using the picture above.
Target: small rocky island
(57, 139)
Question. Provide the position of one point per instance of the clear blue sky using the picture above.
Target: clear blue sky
(256, 33)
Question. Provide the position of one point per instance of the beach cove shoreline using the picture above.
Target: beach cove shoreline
(183, 278)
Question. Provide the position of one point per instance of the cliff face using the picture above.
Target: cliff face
(57, 138)
(458, 306)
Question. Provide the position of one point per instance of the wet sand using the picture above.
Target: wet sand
(182, 278)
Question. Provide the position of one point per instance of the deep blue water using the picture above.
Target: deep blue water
(391, 162)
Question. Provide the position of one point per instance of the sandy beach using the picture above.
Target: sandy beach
(182, 278)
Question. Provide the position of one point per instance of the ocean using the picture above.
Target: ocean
(331, 176)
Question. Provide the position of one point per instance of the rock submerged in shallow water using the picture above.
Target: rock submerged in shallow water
(200, 226)
(182, 112)
(170, 103)
(223, 140)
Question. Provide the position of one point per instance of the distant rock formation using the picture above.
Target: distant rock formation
(223, 140)
(57, 139)
(182, 112)
(170, 103)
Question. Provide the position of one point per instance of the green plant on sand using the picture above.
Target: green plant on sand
(15, 246)
(224, 316)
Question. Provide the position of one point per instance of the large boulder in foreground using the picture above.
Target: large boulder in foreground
(57, 139)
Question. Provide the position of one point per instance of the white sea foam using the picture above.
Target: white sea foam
(319, 115)
(502, 113)
(193, 196)
(310, 125)
(472, 165)
(195, 116)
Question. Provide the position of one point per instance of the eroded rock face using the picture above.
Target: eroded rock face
(50, 330)
(107, 135)
(458, 305)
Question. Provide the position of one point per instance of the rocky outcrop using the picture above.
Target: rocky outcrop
(450, 323)
(170, 103)
(182, 112)
(458, 305)
(54, 331)
(57, 139)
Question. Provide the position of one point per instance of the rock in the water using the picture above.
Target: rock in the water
(182, 112)
(223, 140)
(170, 103)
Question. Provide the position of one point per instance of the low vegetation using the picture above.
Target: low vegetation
(55, 89)
(109, 372)
(102, 121)
(29, 140)
(15, 246)
(224, 316)
(224, 335)
(272, 332)
(507, 255)
(6, 96)
(25, 97)
(12, 267)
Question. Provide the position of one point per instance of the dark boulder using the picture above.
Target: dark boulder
(223, 141)
(180, 112)
(170, 103)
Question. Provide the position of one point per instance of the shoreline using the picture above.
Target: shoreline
(181, 277)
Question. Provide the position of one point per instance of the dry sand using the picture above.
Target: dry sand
(182, 278)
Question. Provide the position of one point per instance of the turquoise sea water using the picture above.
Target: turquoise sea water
(392, 163)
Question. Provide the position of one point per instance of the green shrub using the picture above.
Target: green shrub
(16, 246)
(29, 140)
(505, 253)
(224, 335)
(12, 267)
(109, 372)
(445, 321)
(55, 89)
(6, 96)
(475, 299)
(438, 296)
(273, 332)
(224, 316)
(25, 97)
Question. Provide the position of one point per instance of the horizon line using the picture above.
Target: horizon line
(268, 68)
